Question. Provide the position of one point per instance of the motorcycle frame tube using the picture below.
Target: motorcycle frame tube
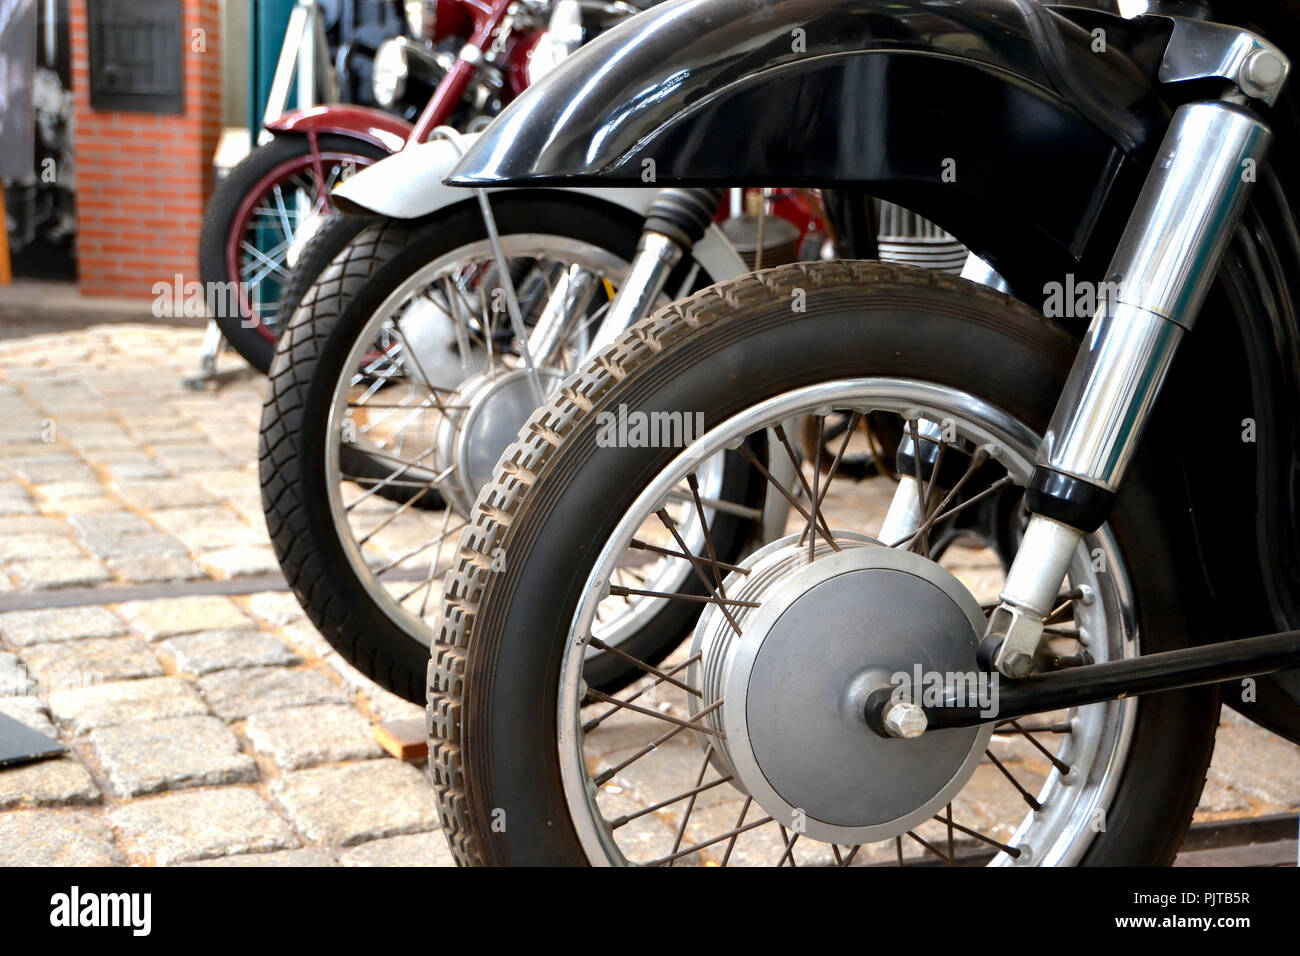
(437, 112)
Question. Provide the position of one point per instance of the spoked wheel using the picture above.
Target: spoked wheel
(397, 387)
(748, 744)
(257, 224)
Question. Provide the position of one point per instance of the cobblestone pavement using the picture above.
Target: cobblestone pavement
(214, 729)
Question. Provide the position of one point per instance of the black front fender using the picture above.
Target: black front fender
(950, 107)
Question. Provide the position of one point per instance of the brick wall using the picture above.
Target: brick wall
(143, 179)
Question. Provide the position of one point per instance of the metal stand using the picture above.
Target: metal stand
(213, 344)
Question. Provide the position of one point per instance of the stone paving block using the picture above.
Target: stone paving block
(56, 838)
(1257, 763)
(135, 470)
(52, 468)
(228, 482)
(353, 803)
(17, 506)
(97, 659)
(159, 493)
(30, 523)
(14, 679)
(59, 782)
(61, 491)
(1218, 798)
(209, 528)
(287, 858)
(201, 824)
(210, 651)
(123, 534)
(172, 754)
(167, 617)
(276, 608)
(415, 849)
(60, 573)
(241, 561)
(21, 628)
(194, 457)
(28, 547)
(31, 711)
(83, 506)
(88, 708)
(236, 694)
(300, 737)
(154, 568)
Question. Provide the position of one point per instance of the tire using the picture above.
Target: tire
(256, 344)
(493, 677)
(293, 440)
(330, 239)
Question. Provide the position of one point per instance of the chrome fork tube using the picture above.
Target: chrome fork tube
(674, 223)
(656, 257)
(1162, 268)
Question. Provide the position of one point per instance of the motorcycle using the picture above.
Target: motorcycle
(462, 60)
(839, 691)
(354, 459)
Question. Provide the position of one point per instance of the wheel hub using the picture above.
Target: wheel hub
(489, 408)
(826, 634)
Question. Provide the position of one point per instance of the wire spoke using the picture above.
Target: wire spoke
(695, 791)
(685, 724)
(711, 842)
(719, 595)
(595, 722)
(690, 804)
(1056, 761)
(835, 464)
(1029, 798)
(976, 835)
(642, 665)
(779, 431)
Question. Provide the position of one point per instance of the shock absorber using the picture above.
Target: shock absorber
(1162, 268)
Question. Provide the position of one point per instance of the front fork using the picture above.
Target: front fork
(675, 222)
(1161, 270)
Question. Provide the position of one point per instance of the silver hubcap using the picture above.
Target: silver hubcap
(824, 635)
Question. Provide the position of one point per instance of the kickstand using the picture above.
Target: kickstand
(208, 374)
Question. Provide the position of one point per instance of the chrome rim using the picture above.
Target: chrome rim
(639, 769)
(404, 404)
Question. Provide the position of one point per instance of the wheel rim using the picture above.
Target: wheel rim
(284, 208)
(625, 812)
(405, 577)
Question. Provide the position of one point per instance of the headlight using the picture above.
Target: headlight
(388, 74)
(421, 16)
(562, 37)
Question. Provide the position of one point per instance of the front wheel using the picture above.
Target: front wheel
(393, 391)
(256, 226)
(754, 750)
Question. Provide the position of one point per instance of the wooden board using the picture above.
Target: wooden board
(404, 739)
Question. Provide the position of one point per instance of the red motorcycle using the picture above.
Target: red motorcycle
(464, 60)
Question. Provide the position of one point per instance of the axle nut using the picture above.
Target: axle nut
(902, 718)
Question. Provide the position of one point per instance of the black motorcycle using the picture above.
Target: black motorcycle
(843, 696)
